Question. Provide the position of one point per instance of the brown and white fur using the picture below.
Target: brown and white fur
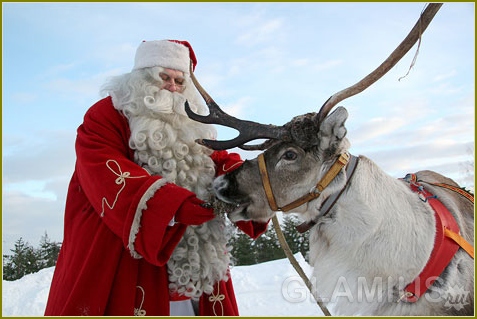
(377, 237)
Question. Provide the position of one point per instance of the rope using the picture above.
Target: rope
(296, 265)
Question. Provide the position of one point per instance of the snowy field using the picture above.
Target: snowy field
(268, 289)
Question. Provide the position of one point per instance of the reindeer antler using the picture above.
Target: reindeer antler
(415, 34)
(248, 130)
(251, 130)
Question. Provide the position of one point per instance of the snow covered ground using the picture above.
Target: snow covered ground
(268, 289)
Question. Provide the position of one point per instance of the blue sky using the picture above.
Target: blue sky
(265, 62)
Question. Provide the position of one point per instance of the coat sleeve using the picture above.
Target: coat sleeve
(136, 206)
(227, 162)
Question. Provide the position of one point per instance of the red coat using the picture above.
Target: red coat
(95, 273)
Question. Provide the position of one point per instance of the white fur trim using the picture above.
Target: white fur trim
(163, 53)
(137, 217)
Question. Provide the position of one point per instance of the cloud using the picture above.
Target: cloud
(443, 157)
(24, 97)
(444, 76)
(29, 217)
(436, 144)
(81, 88)
(117, 54)
(378, 127)
(445, 89)
(318, 67)
(261, 32)
(303, 62)
(36, 172)
(47, 155)
(69, 88)
(34, 188)
(238, 107)
(59, 69)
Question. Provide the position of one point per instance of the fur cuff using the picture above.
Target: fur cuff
(137, 217)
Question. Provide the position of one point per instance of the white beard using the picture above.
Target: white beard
(163, 138)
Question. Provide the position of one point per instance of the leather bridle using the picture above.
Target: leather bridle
(314, 193)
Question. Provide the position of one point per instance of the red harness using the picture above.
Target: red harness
(446, 244)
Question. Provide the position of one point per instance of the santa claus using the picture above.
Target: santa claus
(137, 238)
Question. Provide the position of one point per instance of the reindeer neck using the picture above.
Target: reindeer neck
(364, 235)
(329, 202)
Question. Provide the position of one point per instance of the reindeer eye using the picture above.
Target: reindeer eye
(289, 155)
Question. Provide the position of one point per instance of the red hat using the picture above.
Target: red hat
(171, 54)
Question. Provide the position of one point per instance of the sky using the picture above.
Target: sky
(265, 62)
(268, 289)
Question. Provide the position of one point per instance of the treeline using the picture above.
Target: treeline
(247, 251)
(24, 259)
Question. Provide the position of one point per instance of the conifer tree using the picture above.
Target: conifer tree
(242, 251)
(267, 246)
(48, 251)
(296, 241)
(23, 261)
(246, 251)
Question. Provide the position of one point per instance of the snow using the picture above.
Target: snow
(27, 296)
(268, 289)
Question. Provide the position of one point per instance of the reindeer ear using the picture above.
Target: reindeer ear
(333, 131)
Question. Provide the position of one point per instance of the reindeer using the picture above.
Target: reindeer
(379, 245)
(379, 234)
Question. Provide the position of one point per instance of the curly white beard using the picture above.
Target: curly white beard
(163, 138)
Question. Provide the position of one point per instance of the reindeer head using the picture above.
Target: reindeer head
(296, 156)
(292, 167)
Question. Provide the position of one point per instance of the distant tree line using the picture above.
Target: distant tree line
(247, 251)
(24, 259)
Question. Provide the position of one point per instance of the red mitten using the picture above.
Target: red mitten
(192, 213)
(226, 162)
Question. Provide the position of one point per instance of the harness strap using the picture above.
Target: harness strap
(455, 236)
(266, 183)
(458, 190)
(446, 243)
(334, 170)
(464, 244)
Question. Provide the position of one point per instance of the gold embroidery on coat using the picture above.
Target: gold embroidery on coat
(217, 298)
(120, 180)
(139, 311)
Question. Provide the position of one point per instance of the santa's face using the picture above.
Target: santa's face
(164, 137)
(173, 80)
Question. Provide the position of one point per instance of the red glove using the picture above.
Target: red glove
(192, 213)
(225, 162)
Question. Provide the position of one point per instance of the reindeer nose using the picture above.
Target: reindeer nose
(219, 184)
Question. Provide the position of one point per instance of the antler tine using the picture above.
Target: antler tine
(248, 130)
(414, 35)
